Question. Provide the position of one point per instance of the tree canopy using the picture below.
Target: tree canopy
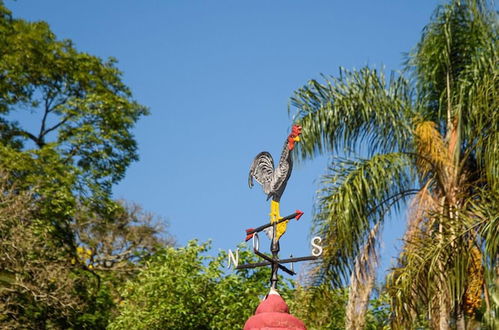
(66, 136)
(84, 113)
(184, 289)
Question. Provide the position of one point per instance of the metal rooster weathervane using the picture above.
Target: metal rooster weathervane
(273, 181)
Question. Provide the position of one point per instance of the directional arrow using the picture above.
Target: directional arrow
(251, 231)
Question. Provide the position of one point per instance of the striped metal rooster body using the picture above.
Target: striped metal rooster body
(274, 180)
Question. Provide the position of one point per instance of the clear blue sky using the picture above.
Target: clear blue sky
(217, 77)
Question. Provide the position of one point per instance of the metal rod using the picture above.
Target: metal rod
(253, 265)
(264, 256)
(283, 261)
(286, 261)
(269, 261)
(286, 269)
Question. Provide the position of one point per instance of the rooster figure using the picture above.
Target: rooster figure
(274, 180)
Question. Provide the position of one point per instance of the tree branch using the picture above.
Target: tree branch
(44, 120)
(49, 107)
(56, 126)
(23, 133)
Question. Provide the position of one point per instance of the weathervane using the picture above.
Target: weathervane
(274, 182)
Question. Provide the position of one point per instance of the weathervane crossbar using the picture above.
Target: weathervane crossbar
(274, 260)
(281, 261)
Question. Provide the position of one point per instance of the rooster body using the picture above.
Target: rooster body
(274, 180)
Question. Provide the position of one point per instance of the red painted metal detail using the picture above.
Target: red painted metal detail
(272, 314)
(249, 234)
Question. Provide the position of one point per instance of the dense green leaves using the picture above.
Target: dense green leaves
(46, 281)
(184, 289)
(39, 286)
(66, 121)
(85, 112)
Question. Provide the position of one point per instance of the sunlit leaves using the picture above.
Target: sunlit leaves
(181, 288)
(357, 194)
(84, 110)
(355, 107)
(66, 121)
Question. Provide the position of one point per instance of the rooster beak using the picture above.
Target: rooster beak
(296, 139)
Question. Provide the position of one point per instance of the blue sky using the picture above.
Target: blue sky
(217, 77)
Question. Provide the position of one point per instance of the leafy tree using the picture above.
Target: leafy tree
(184, 289)
(66, 121)
(39, 287)
(42, 285)
(320, 307)
(85, 113)
(122, 242)
(431, 136)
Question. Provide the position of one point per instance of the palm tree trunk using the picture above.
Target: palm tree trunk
(443, 315)
(362, 282)
(460, 321)
(444, 312)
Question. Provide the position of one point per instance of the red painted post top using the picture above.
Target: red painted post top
(273, 314)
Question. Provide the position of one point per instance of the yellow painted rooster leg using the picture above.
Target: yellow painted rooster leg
(274, 211)
(275, 216)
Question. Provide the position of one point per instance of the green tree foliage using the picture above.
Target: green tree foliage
(84, 114)
(431, 136)
(44, 286)
(320, 307)
(181, 288)
(40, 287)
(66, 121)
(184, 289)
(121, 242)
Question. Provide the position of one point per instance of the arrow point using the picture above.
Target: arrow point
(249, 233)
(298, 214)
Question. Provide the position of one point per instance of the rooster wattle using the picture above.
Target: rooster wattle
(274, 181)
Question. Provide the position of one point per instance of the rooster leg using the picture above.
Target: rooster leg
(274, 211)
(275, 216)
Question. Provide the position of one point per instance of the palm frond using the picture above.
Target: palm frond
(488, 159)
(484, 219)
(445, 260)
(478, 97)
(357, 194)
(459, 31)
(357, 106)
(420, 206)
(443, 125)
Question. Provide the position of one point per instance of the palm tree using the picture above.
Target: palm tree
(430, 136)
